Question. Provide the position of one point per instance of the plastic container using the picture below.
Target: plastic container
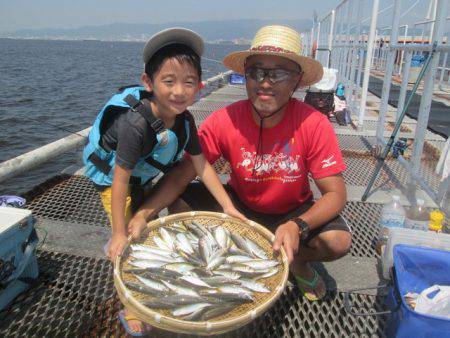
(417, 217)
(392, 216)
(411, 237)
(18, 263)
(417, 62)
(436, 221)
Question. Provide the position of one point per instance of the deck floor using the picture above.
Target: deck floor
(75, 296)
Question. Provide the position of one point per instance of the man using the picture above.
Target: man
(272, 143)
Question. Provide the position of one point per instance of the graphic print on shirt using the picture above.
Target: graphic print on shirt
(327, 162)
(278, 166)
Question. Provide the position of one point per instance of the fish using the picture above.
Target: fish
(180, 290)
(260, 264)
(144, 264)
(216, 311)
(256, 249)
(139, 287)
(185, 310)
(168, 238)
(198, 271)
(142, 255)
(253, 285)
(152, 284)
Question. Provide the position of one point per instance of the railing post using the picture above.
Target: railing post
(330, 37)
(388, 71)
(428, 87)
(370, 43)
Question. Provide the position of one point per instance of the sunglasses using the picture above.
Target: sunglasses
(275, 75)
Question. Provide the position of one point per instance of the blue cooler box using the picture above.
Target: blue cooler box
(18, 264)
(416, 269)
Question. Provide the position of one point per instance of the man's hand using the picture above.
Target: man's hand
(233, 212)
(118, 241)
(287, 235)
(136, 225)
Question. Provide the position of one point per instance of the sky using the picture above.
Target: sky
(32, 14)
(35, 14)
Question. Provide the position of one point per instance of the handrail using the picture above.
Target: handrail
(36, 157)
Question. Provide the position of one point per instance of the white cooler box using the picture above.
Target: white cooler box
(429, 239)
(18, 264)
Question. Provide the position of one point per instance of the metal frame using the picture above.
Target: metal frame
(355, 54)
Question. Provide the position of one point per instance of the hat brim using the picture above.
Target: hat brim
(170, 36)
(312, 69)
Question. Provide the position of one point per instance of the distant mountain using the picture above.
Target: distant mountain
(211, 31)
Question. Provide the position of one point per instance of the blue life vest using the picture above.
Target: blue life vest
(163, 155)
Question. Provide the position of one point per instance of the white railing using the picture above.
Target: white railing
(349, 33)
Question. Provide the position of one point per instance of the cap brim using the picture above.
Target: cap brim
(312, 69)
(170, 36)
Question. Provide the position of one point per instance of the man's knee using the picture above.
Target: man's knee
(337, 243)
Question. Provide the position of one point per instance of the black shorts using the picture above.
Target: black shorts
(198, 197)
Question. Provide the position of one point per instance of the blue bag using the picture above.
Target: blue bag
(416, 269)
(18, 263)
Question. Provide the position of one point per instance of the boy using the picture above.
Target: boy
(143, 131)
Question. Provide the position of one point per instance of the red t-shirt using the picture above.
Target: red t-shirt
(303, 142)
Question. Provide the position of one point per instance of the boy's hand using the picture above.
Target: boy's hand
(233, 212)
(118, 241)
(136, 225)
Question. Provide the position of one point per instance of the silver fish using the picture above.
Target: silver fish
(142, 288)
(144, 264)
(179, 267)
(254, 286)
(150, 249)
(152, 284)
(256, 249)
(168, 238)
(184, 244)
(238, 259)
(185, 310)
(227, 273)
(215, 262)
(216, 311)
(142, 255)
(194, 281)
(180, 290)
(161, 244)
(240, 242)
(269, 273)
(205, 249)
(222, 238)
(260, 264)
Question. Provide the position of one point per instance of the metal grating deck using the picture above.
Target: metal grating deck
(73, 199)
(76, 200)
(75, 296)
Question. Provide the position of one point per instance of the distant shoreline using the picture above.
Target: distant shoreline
(211, 42)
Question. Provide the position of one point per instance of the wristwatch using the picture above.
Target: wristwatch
(303, 227)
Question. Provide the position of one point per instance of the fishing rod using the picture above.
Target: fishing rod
(388, 147)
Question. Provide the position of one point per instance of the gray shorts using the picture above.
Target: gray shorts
(198, 197)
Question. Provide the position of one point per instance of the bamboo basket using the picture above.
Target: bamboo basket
(241, 315)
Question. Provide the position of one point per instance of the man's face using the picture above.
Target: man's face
(267, 95)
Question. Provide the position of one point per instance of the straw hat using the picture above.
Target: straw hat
(280, 41)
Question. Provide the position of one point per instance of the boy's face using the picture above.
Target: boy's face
(267, 96)
(174, 87)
